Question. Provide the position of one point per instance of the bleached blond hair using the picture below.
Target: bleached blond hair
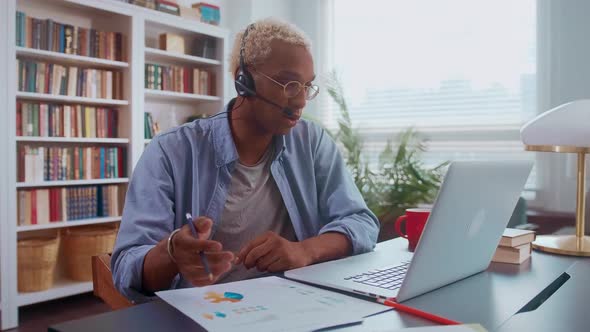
(261, 34)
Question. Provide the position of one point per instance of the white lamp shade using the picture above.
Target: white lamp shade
(564, 125)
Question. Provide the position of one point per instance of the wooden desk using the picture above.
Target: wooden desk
(489, 298)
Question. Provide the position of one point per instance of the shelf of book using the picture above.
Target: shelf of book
(61, 288)
(178, 96)
(141, 29)
(69, 223)
(32, 53)
(156, 55)
(71, 183)
(72, 140)
(70, 99)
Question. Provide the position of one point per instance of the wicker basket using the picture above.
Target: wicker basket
(37, 258)
(81, 243)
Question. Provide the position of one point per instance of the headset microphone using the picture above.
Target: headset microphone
(286, 110)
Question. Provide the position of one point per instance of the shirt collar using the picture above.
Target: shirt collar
(223, 141)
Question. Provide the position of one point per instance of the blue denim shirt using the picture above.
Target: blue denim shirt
(188, 169)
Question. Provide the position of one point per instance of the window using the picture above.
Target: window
(462, 72)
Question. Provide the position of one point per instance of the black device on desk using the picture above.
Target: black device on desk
(562, 306)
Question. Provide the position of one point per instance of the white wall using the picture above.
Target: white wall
(264, 8)
(243, 12)
(564, 70)
(307, 15)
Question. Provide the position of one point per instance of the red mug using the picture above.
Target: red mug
(415, 220)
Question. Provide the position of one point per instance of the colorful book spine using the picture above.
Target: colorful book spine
(49, 35)
(41, 77)
(50, 120)
(179, 79)
(38, 164)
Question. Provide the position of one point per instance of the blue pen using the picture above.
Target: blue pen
(189, 219)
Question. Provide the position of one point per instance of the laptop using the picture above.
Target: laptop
(473, 207)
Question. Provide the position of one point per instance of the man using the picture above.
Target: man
(270, 190)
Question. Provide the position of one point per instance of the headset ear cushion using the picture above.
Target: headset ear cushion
(244, 84)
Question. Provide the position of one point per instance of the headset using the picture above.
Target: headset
(244, 83)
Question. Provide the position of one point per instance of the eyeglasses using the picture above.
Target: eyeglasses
(293, 88)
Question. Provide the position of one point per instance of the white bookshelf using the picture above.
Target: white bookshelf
(181, 25)
(70, 99)
(71, 183)
(71, 59)
(69, 223)
(141, 27)
(72, 140)
(177, 96)
(157, 55)
(61, 288)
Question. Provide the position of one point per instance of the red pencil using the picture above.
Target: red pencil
(418, 313)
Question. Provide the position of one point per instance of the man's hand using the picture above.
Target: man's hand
(186, 253)
(272, 253)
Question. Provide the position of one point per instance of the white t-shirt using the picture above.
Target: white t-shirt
(254, 205)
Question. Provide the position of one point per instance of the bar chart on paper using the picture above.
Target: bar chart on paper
(268, 304)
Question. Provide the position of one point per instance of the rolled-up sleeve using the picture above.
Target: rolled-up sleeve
(340, 201)
(148, 217)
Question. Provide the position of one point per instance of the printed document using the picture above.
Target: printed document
(268, 304)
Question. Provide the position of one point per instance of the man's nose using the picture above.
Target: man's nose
(299, 101)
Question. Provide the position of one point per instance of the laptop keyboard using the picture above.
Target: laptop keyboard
(390, 277)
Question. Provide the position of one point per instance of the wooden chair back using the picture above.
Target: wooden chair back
(102, 280)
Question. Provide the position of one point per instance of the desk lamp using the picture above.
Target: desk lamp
(564, 129)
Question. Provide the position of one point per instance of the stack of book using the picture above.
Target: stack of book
(209, 13)
(514, 247)
(172, 7)
(151, 4)
(169, 7)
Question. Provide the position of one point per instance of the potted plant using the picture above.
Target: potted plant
(401, 181)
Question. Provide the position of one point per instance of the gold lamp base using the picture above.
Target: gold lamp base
(573, 245)
(563, 244)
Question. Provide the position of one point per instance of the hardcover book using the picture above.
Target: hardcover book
(515, 237)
